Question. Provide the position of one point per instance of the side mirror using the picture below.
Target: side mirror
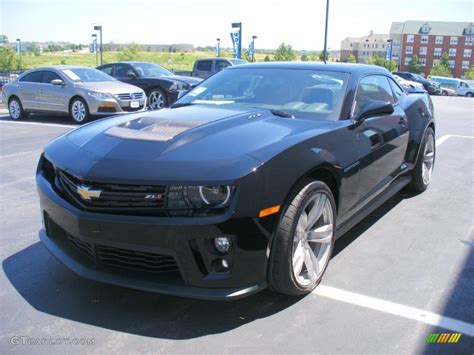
(374, 108)
(57, 82)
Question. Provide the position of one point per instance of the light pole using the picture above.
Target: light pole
(18, 48)
(99, 28)
(239, 46)
(218, 47)
(253, 48)
(326, 33)
(390, 43)
(94, 46)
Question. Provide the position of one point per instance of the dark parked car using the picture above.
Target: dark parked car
(245, 183)
(205, 67)
(431, 86)
(161, 86)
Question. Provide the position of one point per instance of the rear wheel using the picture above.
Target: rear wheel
(157, 99)
(304, 240)
(421, 175)
(15, 108)
(469, 94)
(79, 111)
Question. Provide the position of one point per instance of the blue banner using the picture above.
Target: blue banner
(218, 49)
(94, 46)
(18, 47)
(235, 37)
(251, 49)
(388, 50)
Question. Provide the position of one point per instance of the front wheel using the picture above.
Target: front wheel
(79, 111)
(157, 99)
(15, 108)
(469, 94)
(304, 241)
(421, 175)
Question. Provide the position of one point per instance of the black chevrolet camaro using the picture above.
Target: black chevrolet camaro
(161, 86)
(244, 183)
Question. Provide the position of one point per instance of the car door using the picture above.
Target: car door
(29, 90)
(383, 139)
(53, 98)
(203, 68)
(462, 88)
(125, 72)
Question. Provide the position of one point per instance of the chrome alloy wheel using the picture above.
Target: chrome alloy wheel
(156, 100)
(15, 109)
(312, 241)
(428, 159)
(78, 111)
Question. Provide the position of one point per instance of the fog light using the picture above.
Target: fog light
(222, 244)
(224, 263)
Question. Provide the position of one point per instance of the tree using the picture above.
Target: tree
(415, 65)
(376, 60)
(7, 58)
(131, 52)
(284, 53)
(267, 58)
(3, 39)
(391, 65)
(35, 49)
(470, 73)
(323, 55)
(442, 68)
(304, 57)
(351, 58)
(444, 60)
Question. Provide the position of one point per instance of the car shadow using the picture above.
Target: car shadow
(48, 119)
(51, 288)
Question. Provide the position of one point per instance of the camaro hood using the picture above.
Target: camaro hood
(185, 144)
(182, 79)
(111, 87)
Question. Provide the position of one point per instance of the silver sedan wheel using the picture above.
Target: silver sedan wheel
(156, 100)
(15, 109)
(78, 111)
(312, 241)
(428, 159)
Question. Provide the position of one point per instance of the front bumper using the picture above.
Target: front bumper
(76, 238)
(114, 105)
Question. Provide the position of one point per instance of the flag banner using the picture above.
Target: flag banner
(251, 48)
(235, 37)
(18, 47)
(387, 51)
(218, 49)
(94, 46)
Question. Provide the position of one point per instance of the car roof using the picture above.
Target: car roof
(331, 66)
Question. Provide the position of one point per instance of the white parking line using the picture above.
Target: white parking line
(447, 136)
(397, 309)
(39, 124)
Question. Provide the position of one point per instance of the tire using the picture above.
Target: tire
(469, 94)
(445, 93)
(15, 109)
(291, 260)
(157, 99)
(421, 174)
(79, 111)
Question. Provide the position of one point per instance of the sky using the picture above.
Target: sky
(199, 22)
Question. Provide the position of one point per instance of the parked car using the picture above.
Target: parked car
(244, 183)
(160, 85)
(205, 67)
(460, 87)
(80, 91)
(431, 86)
(447, 91)
(408, 84)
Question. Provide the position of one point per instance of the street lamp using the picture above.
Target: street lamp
(253, 48)
(18, 48)
(218, 47)
(239, 47)
(99, 28)
(94, 43)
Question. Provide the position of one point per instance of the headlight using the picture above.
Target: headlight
(199, 197)
(178, 86)
(100, 95)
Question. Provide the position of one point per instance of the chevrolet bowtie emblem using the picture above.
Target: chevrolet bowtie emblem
(87, 192)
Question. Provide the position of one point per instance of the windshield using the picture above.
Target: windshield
(86, 74)
(150, 69)
(301, 93)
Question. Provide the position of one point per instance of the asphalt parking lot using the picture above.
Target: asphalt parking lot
(404, 272)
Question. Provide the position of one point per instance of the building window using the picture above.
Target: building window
(407, 61)
(409, 50)
(424, 39)
(423, 50)
(439, 40)
(425, 28)
(395, 55)
(451, 64)
(452, 52)
(465, 64)
(383, 45)
(396, 43)
(437, 52)
(468, 41)
(453, 41)
(467, 53)
(410, 38)
(435, 62)
(469, 30)
(423, 62)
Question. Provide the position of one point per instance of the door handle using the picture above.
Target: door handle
(403, 121)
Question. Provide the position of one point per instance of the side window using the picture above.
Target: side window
(123, 70)
(221, 64)
(49, 76)
(397, 90)
(107, 69)
(373, 87)
(204, 65)
(34, 77)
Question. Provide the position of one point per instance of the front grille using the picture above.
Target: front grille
(112, 197)
(111, 256)
(130, 96)
(132, 109)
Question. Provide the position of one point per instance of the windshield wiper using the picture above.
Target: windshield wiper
(281, 113)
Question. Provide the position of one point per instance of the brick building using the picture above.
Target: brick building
(363, 47)
(429, 40)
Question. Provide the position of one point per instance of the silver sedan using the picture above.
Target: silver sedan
(78, 91)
